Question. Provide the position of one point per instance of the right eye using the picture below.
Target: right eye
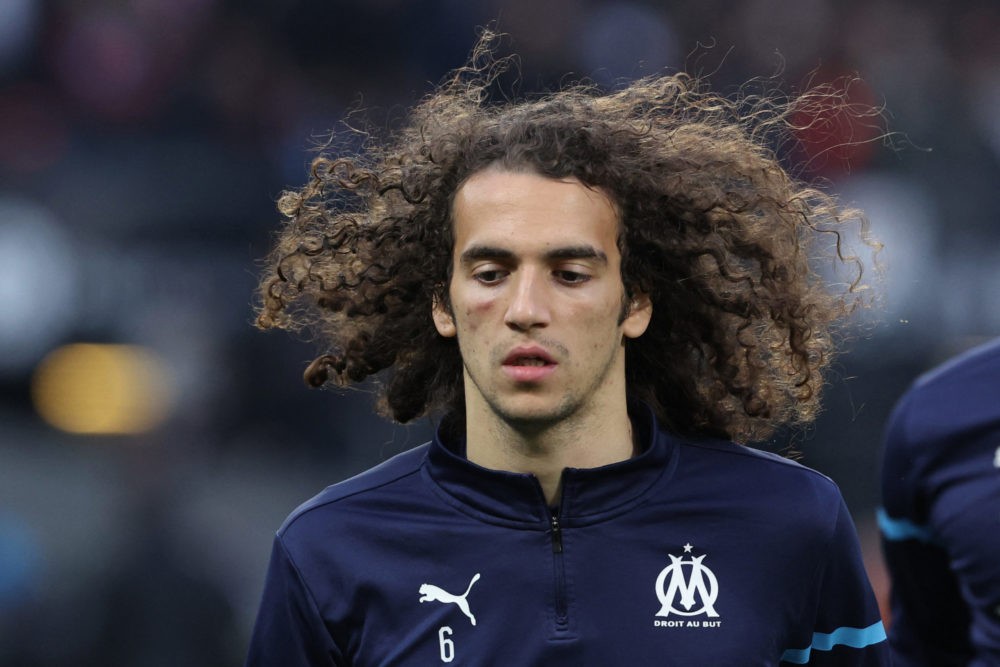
(489, 276)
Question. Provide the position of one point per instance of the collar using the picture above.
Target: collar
(588, 494)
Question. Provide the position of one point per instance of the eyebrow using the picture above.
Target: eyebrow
(566, 252)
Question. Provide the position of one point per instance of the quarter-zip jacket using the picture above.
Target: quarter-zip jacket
(941, 516)
(693, 553)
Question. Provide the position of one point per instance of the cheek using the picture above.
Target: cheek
(598, 328)
(469, 322)
(599, 314)
(476, 312)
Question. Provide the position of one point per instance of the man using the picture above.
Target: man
(601, 294)
(940, 519)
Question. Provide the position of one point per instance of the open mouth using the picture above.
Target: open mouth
(529, 364)
(528, 361)
(528, 355)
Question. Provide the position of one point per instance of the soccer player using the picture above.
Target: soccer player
(603, 295)
(940, 519)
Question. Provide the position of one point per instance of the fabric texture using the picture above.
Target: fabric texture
(691, 553)
(940, 519)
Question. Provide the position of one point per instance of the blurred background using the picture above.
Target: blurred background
(151, 440)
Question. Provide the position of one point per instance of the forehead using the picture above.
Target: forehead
(496, 205)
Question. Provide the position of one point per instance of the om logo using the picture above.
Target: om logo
(692, 581)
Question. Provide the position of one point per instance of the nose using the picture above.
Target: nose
(529, 301)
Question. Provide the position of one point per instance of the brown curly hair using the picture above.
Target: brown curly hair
(717, 233)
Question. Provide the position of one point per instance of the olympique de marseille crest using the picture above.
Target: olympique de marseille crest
(687, 587)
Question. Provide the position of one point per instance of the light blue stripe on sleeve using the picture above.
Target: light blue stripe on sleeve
(897, 530)
(853, 637)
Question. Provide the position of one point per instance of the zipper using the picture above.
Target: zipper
(559, 572)
(557, 545)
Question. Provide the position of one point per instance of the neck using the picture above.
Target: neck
(591, 440)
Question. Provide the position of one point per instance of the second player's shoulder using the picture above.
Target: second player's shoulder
(956, 397)
(979, 364)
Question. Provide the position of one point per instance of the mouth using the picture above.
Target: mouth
(535, 357)
(527, 361)
(529, 365)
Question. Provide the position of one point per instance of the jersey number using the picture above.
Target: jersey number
(447, 645)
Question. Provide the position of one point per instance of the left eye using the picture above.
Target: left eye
(572, 277)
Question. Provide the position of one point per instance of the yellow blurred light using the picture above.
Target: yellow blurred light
(102, 389)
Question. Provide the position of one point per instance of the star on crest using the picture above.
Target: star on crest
(687, 548)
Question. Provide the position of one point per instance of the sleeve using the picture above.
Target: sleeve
(289, 631)
(847, 627)
(930, 621)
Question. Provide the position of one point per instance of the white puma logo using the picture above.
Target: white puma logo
(431, 593)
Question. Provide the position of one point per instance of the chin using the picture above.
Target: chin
(533, 414)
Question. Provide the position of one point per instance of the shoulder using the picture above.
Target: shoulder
(758, 488)
(368, 484)
(980, 363)
(757, 458)
(762, 472)
(959, 396)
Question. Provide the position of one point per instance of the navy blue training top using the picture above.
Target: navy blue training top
(940, 519)
(695, 554)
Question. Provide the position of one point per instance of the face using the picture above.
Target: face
(537, 299)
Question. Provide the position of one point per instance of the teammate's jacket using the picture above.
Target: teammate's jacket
(694, 554)
(941, 516)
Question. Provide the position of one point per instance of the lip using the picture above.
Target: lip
(528, 351)
(528, 373)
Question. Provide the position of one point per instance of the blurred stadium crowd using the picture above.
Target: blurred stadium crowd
(151, 440)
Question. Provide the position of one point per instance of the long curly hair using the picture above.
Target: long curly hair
(717, 233)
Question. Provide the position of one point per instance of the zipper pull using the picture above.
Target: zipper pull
(557, 546)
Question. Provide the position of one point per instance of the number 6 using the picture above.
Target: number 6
(447, 645)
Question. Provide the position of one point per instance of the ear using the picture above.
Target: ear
(443, 320)
(640, 312)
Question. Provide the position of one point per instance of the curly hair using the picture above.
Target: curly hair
(718, 234)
